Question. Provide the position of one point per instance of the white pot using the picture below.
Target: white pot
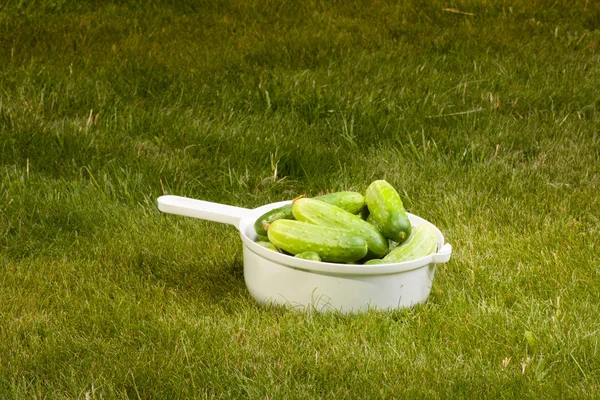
(273, 277)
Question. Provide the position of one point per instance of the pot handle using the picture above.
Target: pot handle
(206, 210)
(443, 255)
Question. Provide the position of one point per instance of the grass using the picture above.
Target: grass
(486, 123)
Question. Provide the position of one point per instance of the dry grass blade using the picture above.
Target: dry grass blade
(455, 11)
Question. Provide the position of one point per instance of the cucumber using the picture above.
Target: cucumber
(261, 238)
(323, 214)
(308, 255)
(421, 242)
(262, 223)
(374, 261)
(350, 201)
(331, 244)
(387, 210)
(267, 245)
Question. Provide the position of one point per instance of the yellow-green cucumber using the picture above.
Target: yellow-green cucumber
(331, 244)
(267, 245)
(387, 210)
(308, 255)
(350, 201)
(421, 242)
(324, 214)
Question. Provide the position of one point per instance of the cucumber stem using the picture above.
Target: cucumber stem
(299, 197)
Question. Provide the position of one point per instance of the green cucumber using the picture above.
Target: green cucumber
(350, 201)
(267, 245)
(262, 223)
(308, 255)
(421, 242)
(388, 211)
(323, 214)
(331, 244)
(261, 238)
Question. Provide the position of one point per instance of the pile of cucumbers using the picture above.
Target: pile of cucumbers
(347, 227)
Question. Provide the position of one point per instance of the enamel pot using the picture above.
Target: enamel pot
(278, 278)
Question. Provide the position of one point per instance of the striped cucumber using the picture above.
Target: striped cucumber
(323, 214)
(387, 210)
(350, 201)
(421, 242)
(308, 255)
(331, 244)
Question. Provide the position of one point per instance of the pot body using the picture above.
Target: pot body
(271, 282)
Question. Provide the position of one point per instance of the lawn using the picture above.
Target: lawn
(485, 116)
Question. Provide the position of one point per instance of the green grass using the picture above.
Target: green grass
(488, 124)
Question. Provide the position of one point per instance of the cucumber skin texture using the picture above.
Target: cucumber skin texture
(308, 255)
(331, 244)
(387, 209)
(267, 245)
(323, 214)
(350, 201)
(422, 242)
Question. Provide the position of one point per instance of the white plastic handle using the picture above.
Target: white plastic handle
(443, 255)
(202, 209)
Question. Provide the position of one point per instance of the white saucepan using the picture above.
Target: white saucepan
(273, 277)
